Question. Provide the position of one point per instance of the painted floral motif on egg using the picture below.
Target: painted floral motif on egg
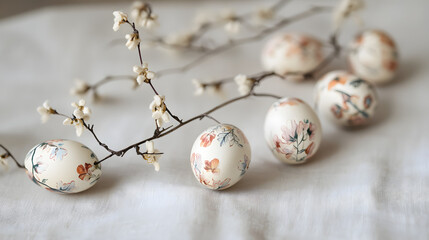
(62, 166)
(374, 57)
(292, 53)
(220, 156)
(292, 130)
(345, 98)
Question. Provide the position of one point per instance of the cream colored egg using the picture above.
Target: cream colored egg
(292, 130)
(62, 166)
(220, 156)
(374, 57)
(345, 98)
(292, 53)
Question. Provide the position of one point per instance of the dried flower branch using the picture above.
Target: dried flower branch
(159, 108)
(144, 75)
(164, 132)
(236, 42)
(203, 27)
(160, 112)
(151, 155)
(230, 21)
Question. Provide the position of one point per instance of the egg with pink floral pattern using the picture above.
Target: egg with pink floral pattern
(374, 57)
(62, 166)
(292, 53)
(292, 130)
(220, 156)
(346, 99)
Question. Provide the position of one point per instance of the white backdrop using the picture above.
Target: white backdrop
(367, 183)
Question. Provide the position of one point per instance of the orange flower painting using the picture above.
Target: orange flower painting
(84, 172)
(212, 165)
(207, 139)
(338, 80)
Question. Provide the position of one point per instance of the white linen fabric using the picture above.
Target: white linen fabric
(366, 183)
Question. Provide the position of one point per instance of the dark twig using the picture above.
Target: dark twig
(198, 117)
(9, 154)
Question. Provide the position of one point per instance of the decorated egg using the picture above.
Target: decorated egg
(220, 156)
(292, 53)
(345, 98)
(292, 130)
(62, 166)
(374, 57)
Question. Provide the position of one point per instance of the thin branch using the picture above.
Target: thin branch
(210, 117)
(90, 128)
(9, 154)
(183, 123)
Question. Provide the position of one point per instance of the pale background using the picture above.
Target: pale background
(368, 183)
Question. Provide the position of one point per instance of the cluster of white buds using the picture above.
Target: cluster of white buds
(81, 113)
(3, 161)
(80, 88)
(183, 39)
(143, 73)
(232, 22)
(152, 156)
(159, 110)
(45, 111)
(133, 40)
(345, 9)
(199, 87)
(119, 19)
(244, 83)
(143, 15)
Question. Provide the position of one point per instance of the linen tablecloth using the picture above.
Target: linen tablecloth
(365, 183)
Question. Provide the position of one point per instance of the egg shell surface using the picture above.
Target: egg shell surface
(62, 166)
(374, 57)
(346, 99)
(220, 156)
(292, 130)
(292, 53)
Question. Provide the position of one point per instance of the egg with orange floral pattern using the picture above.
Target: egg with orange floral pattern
(374, 57)
(345, 98)
(62, 166)
(292, 130)
(220, 156)
(292, 53)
